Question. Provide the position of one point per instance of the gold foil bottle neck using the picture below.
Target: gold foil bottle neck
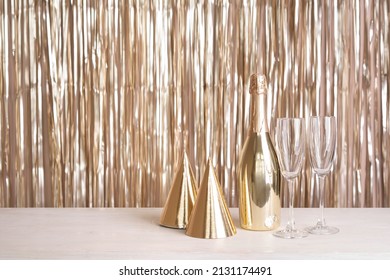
(258, 90)
(258, 84)
(181, 197)
(210, 217)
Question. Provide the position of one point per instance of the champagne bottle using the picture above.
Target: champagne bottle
(258, 169)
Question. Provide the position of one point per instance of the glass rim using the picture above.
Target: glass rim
(290, 120)
(323, 117)
(285, 118)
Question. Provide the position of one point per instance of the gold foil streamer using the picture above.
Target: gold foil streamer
(98, 98)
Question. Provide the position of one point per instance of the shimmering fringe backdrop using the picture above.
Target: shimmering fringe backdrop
(98, 98)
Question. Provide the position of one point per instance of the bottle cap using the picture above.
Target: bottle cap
(258, 84)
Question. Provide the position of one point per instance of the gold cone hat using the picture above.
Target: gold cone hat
(210, 217)
(181, 197)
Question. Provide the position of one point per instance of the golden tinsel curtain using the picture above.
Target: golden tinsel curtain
(99, 98)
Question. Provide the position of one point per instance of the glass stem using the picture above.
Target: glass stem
(290, 183)
(321, 184)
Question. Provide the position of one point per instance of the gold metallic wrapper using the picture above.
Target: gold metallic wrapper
(98, 98)
(259, 175)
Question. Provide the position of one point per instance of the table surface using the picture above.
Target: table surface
(134, 233)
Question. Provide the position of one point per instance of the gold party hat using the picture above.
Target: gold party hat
(210, 217)
(181, 197)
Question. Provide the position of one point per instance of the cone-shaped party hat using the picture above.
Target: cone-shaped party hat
(181, 197)
(210, 217)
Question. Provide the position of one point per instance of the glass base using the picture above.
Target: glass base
(322, 230)
(290, 234)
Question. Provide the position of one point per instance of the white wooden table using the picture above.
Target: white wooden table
(130, 233)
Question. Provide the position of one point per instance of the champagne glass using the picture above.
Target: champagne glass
(322, 142)
(290, 143)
